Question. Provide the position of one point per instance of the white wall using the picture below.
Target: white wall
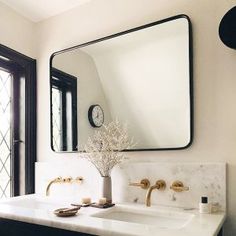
(16, 31)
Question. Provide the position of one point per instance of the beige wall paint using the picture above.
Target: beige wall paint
(16, 31)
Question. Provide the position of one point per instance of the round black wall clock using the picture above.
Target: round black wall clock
(96, 116)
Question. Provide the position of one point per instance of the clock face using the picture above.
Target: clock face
(96, 116)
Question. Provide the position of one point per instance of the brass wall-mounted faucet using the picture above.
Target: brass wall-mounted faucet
(63, 180)
(160, 185)
(178, 186)
(144, 184)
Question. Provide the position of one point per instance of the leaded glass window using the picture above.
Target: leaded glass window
(5, 134)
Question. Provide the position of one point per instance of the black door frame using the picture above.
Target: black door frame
(28, 65)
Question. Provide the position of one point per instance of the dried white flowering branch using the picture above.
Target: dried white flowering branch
(104, 148)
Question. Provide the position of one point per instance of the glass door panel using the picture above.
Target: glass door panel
(5, 133)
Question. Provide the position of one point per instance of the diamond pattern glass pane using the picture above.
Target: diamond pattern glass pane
(5, 134)
(56, 119)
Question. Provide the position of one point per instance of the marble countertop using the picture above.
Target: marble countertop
(39, 210)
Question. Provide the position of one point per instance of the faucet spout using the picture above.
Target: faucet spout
(160, 185)
(148, 196)
(56, 180)
(78, 180)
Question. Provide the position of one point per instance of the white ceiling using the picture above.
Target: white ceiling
(37, 10)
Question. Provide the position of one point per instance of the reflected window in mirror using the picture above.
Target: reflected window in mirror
(64, 111)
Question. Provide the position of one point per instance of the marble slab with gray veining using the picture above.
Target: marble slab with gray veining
(201, 178)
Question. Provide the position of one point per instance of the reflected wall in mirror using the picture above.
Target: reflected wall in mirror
(142, 77)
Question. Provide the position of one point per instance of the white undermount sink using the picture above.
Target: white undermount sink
(147, 216)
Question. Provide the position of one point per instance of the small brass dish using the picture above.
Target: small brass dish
(66, 212)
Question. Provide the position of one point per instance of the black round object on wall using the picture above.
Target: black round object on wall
(227, 29)
(96, 116)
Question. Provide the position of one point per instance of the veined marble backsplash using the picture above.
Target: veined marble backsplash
(202, 179)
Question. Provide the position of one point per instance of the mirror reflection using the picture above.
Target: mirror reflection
(141, 77)
(64, 110)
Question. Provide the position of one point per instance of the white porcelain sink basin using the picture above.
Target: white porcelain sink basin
(158, 218)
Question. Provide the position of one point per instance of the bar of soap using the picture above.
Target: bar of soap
(102, 201)
(86, 200)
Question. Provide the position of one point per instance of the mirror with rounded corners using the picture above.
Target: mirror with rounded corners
(142, 77)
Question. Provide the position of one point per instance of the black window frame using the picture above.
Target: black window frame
(65, 82)
(28, 66)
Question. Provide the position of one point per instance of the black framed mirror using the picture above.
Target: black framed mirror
(142, 77)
